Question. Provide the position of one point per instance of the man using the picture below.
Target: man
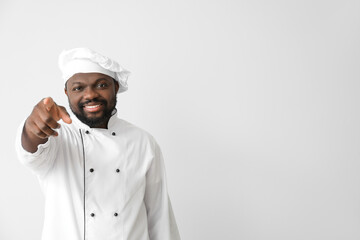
(102, 177)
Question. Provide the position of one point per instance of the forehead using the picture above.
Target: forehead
(88, 78)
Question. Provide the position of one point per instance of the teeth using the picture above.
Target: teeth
(95, 106)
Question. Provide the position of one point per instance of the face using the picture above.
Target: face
(92, 98)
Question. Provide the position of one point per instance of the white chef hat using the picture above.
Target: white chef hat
(84, 60)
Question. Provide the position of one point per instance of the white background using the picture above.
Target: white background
(254, 103)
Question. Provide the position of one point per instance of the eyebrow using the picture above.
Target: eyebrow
(100, 79)
(76, 83)
(96, 81)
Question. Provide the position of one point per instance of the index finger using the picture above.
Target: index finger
(49, 103)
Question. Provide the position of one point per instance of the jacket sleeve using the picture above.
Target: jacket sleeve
(161, 219)
(41, 161)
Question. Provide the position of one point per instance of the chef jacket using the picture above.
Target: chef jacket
(102, 184)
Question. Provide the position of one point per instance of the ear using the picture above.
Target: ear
(116, 86)
(65, 89)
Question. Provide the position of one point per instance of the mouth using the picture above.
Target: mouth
(93, 108)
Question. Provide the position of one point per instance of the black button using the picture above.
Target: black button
(117, 170)
(91, 169)
(115, 214)
(87, 132)
(92, 214)
(113, 133)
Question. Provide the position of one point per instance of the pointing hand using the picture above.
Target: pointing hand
(44, 119)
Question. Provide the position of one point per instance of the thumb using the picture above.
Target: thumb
(64, 115)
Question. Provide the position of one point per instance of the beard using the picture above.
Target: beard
(94, 122)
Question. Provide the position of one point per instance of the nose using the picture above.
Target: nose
(90, 93)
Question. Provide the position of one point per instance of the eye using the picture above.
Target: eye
(77, 88)
(102, 85)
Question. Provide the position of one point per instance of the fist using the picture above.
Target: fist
(44, 119)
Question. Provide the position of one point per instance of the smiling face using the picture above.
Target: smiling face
(92, 98)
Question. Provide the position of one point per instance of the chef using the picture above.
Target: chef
(102, 177)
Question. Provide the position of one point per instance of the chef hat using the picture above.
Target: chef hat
(84, 60)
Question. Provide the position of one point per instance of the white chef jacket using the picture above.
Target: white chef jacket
(102, 184)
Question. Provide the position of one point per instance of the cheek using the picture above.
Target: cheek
(73, 100)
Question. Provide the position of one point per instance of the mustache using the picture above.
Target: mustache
(95, 100)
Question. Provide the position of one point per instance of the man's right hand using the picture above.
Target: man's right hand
(41, 123)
